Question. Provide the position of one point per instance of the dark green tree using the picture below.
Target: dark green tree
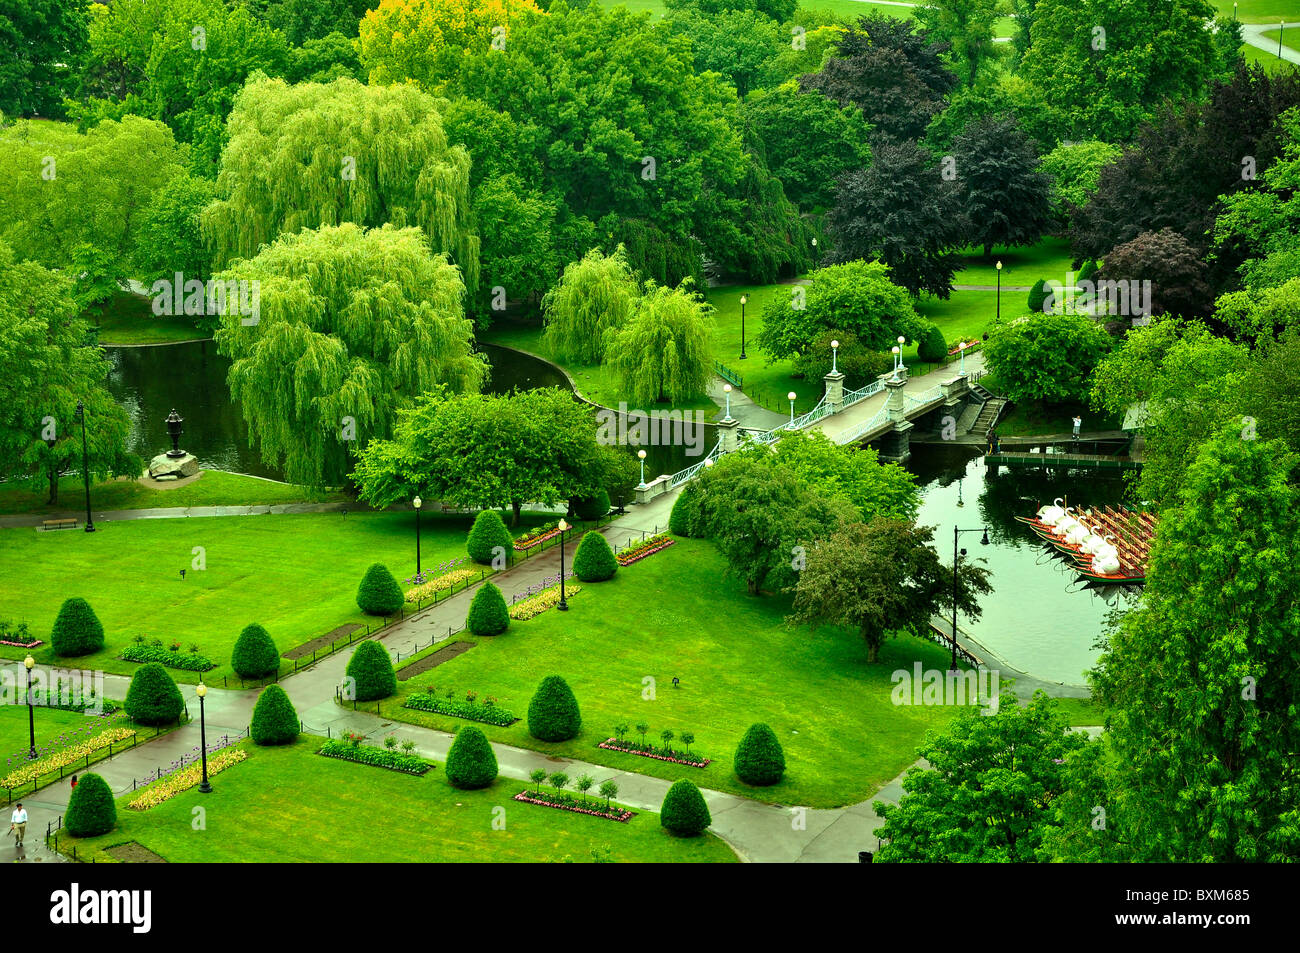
(153, 698)
(594, 561)
(684, 812)
(371, 671)
(1005, 199)
(91, 809)
(488, 538)
(553, 712)
(471, 763)
(77, 630)
(255, 654)
(275, 722)
(487, 612)
(759, 759)
(379, 593)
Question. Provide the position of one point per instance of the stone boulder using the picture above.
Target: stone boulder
(163, 467)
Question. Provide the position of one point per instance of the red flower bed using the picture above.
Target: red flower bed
(611, 744)
(622, 816)
(648, 548)
(21, 645)
(528, 542)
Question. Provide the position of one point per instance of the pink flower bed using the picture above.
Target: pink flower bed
(528, 542)
(623, 817)
(636, 555)
(611, 744)
(22, 645)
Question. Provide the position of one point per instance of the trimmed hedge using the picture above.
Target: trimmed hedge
(1088, 272)
(470, 762)
(932, 346)
(372, 672)
(486, 535)
(684, 812)
(590, 507)
(553, 713)
(77, 630)
(685, 511)
(1038, 294)
(488, 614)
(275, 722)
(91, 810)
(594, 561)
(379, 593)
(255, 654)
(759, 759)
(153, 698)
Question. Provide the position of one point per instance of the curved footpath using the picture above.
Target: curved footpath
(757, 831)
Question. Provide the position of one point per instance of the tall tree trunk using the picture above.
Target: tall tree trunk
(873, 640)
(53, 473)
(517, 506)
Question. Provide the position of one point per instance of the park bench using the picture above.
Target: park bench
(59, 524)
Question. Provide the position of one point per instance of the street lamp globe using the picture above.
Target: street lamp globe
(563, 526)
(417, 502)
(640, 455)
(744, 299)
(999, 266)
(201, 690)
(29, 663)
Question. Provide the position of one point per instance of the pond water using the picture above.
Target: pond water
(1039, 618)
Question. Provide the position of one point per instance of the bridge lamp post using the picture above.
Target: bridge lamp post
(999, 304)
(816, 256)
(743, 300)
(901, 342)
(835, 350)
(29, 663)
(726, 389)
(896, 360)
(641, 456)
(790, 397)
(956, 553)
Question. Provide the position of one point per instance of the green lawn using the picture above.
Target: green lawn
(212, 488)
(288, 805)
(295, 574)
(52, 731)
(1269, 61)
(128, 319)
(1050, 258)
(1081, 711)
(766, 381)
(1290, 39)
(674, 615)
(1260, 11)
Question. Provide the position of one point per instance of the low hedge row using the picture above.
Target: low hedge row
(187, 661)
(488, 714)
(377, 757)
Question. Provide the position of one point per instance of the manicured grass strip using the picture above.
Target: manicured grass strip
(287, 805)
(212, 488)
(679, 615)
(128, 318)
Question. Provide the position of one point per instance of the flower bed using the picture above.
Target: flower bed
(488, 712)
(536, 537)
(22, 645)
(534, 606)
(630, 747)
(647, 547)
(566, 803)
(187, 661)
(375, 756)
(33, 771)
(181, 781)
(439, 584)
(17, 635)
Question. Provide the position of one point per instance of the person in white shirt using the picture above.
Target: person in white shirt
(18, 824)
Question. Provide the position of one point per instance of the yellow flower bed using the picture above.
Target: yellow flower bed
(186, 778)
(61, 759)
(445, 581)
(536, 605)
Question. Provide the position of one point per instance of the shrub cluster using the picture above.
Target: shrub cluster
(471, 762)
(372, 673)
(153, 698)
(684, 812)
(594, 561)
(489, 712)
(275, 722)
(488, 614)
(759, 759)
(486, 536)
(185, 661)
(353, 750)
(91, 810)
(255, 654)
(77, 630)
(932, 346)
(590, 507)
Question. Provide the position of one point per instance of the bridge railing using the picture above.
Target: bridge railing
(862, 393)
(681, 476)
(849, 436)
(933, 393)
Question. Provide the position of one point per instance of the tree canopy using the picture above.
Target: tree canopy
(665, 351)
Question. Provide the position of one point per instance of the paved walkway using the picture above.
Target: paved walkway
(1251, 34)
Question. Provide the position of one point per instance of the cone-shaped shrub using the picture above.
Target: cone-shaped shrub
(932, 346)
(1038, 294)
(470, 762)
(488, 532)
(372, 671)
(759, 758)
(275, 722)
(77, 630)
(255, 654)
(487, 613)
(594, 561)
(553, 713)
(153, 698)
(683, 514)
(379, 593)
(1088, 272)
(684, 812)
(91, 810)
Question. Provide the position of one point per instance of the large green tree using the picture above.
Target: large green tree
(882, 577)
(874, 488)
(321, 154)
(1005, 198)
(536, 446)
(593, 296)
(1045, 356)
(41, 45)
(1202, 679)
(47, 365)
(967, 27)
(665, 351)
(353, 326)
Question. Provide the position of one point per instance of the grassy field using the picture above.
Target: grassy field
(1050, 258)
(53, 730)
(1259, 11)
(295, 574)
(1081, 711)
(212, 488)
(128, 319)
(287, 805)
(674, 615)
(766, 381)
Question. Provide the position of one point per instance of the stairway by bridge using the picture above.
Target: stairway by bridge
(988, 415)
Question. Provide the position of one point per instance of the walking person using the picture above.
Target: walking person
(18, 825)
(1078, 422)
(74, 782)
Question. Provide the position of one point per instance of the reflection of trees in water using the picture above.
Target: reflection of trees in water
(1019, 491)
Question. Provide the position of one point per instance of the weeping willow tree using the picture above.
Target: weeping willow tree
(666, 351)
(316, 154)
(350, 327)
(594, 296)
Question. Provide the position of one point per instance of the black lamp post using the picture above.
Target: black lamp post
(204, 786)
(85, 465)
(417, 502)
(29, 663)
(174, 430)
(999, 305)
(984, 541)
(563, 606)
(743, 300)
